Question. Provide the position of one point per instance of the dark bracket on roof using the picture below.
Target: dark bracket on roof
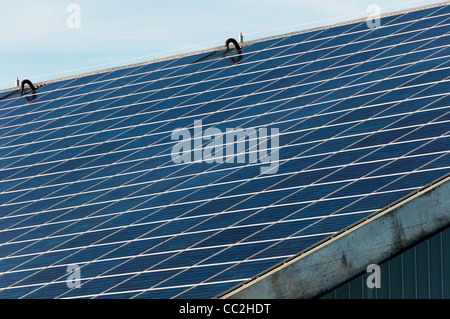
(24, 92)
(32, 88)
(223, 53)
(236, 47)
(30, 85)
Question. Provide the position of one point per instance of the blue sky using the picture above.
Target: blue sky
(37, 42)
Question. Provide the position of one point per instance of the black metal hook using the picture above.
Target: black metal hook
(236, 47)
(24, 92)
(235, 43)
(33, 89)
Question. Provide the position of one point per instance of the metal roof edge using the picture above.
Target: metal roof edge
(387, 14)
(245, 43)
(119, 67)
(339, 257)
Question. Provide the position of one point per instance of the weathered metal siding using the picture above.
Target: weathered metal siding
(421, 272)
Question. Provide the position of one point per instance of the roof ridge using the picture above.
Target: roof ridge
(245, 43)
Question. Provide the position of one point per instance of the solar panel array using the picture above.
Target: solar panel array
(87, 178)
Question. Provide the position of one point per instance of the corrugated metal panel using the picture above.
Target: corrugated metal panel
(421, 272)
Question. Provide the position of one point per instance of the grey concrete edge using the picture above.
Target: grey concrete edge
(244, 44)
(338, 259)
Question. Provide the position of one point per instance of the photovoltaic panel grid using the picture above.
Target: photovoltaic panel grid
(87, 178)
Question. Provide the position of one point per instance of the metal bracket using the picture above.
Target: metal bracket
(236, 47)
(24, 92)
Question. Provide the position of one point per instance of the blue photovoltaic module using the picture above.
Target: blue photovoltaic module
(88, 176)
